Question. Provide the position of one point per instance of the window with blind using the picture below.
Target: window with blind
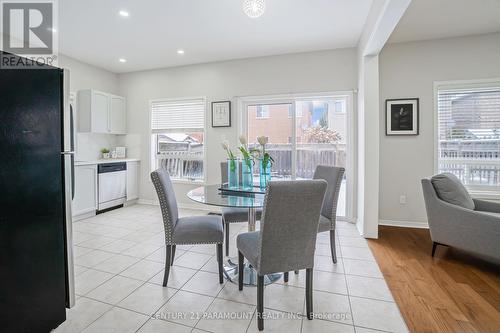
(177, 136)
(469, 135)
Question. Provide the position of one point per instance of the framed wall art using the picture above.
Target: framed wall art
(401, 116)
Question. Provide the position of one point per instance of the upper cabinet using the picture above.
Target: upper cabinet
(100, 112)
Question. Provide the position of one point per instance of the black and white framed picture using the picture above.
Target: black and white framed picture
(401, 116)
(221, 114)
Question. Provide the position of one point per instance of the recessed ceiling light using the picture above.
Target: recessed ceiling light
(254, 8)
(122, 60)
(124, 13)
(180, 51)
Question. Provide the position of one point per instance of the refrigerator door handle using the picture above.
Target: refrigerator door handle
(68, 158)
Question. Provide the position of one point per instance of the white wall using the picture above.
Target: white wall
(334, 70)
(85, 76)
(409, 70)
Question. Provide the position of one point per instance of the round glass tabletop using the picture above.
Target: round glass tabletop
(211, 195)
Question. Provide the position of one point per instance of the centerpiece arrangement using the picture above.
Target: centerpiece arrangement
(232, 166)
(248, 158)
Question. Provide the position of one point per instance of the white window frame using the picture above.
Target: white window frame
(244, 101)
(152, 141)
(480, 192)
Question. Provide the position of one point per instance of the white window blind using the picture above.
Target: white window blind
(469, 134)
(181, 114)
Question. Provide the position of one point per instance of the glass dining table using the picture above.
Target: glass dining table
(251, 199)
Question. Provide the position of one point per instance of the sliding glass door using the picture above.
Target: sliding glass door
(303, 132)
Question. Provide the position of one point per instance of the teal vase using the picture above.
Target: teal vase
(233, 173)
(247, 174)
(264, 173)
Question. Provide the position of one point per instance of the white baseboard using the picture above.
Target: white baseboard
(404, 224)
(147, 202)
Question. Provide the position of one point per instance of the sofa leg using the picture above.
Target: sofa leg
(434, 246)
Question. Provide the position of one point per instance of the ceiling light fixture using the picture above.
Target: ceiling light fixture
(180, 51)
(122, 60)
(123, 13)
(254, 8)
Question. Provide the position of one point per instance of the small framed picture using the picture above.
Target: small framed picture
(221, 114)
(401, 116)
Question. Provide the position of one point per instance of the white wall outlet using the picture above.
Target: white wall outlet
(402, 199)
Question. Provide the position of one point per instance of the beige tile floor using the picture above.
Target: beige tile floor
(119, 262)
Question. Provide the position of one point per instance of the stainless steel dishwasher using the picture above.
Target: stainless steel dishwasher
(112, 184)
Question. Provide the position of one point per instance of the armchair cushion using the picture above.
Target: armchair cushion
(497, 215)
(204, 229)
(449, 188)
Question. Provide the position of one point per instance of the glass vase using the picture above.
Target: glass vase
(264, 173)
(233, 173)
(247, 173)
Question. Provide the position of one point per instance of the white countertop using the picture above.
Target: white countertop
(109, 160)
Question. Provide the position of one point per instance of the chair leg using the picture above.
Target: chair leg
(226, 231)
(219, 261)
(168, 258)
(285, 276)
(309, 293)
(240, 270)
(260, 302)
(173, 255)
(332, 246)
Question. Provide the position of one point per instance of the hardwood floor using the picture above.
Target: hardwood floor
(452, 292)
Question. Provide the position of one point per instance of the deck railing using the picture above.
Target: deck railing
(474, 162)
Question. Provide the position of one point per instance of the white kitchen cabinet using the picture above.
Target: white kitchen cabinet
(101, 112)
(117, 115)
(133, 175)
(85, 199)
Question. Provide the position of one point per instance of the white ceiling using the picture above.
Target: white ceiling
(434, 19)
(208, 30)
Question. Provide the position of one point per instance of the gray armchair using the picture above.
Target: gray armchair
(233, 214)
(287, 238)
(185, 230)
(457, 220)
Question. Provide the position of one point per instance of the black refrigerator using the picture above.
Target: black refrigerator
(36, 149)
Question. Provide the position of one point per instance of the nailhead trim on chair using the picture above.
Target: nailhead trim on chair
(167, 220)
(333, 218)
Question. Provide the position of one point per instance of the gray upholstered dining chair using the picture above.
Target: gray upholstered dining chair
(287, 238)
(189, 230)
(327, 220)
(233, 214)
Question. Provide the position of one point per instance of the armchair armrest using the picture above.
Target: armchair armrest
(487, 206)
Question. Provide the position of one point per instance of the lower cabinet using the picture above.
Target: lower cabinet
(85, 199)
(133, 180)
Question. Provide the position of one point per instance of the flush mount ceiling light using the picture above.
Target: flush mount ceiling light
(122, 60)
(123, 13)
(254, 8)
(180, 51)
